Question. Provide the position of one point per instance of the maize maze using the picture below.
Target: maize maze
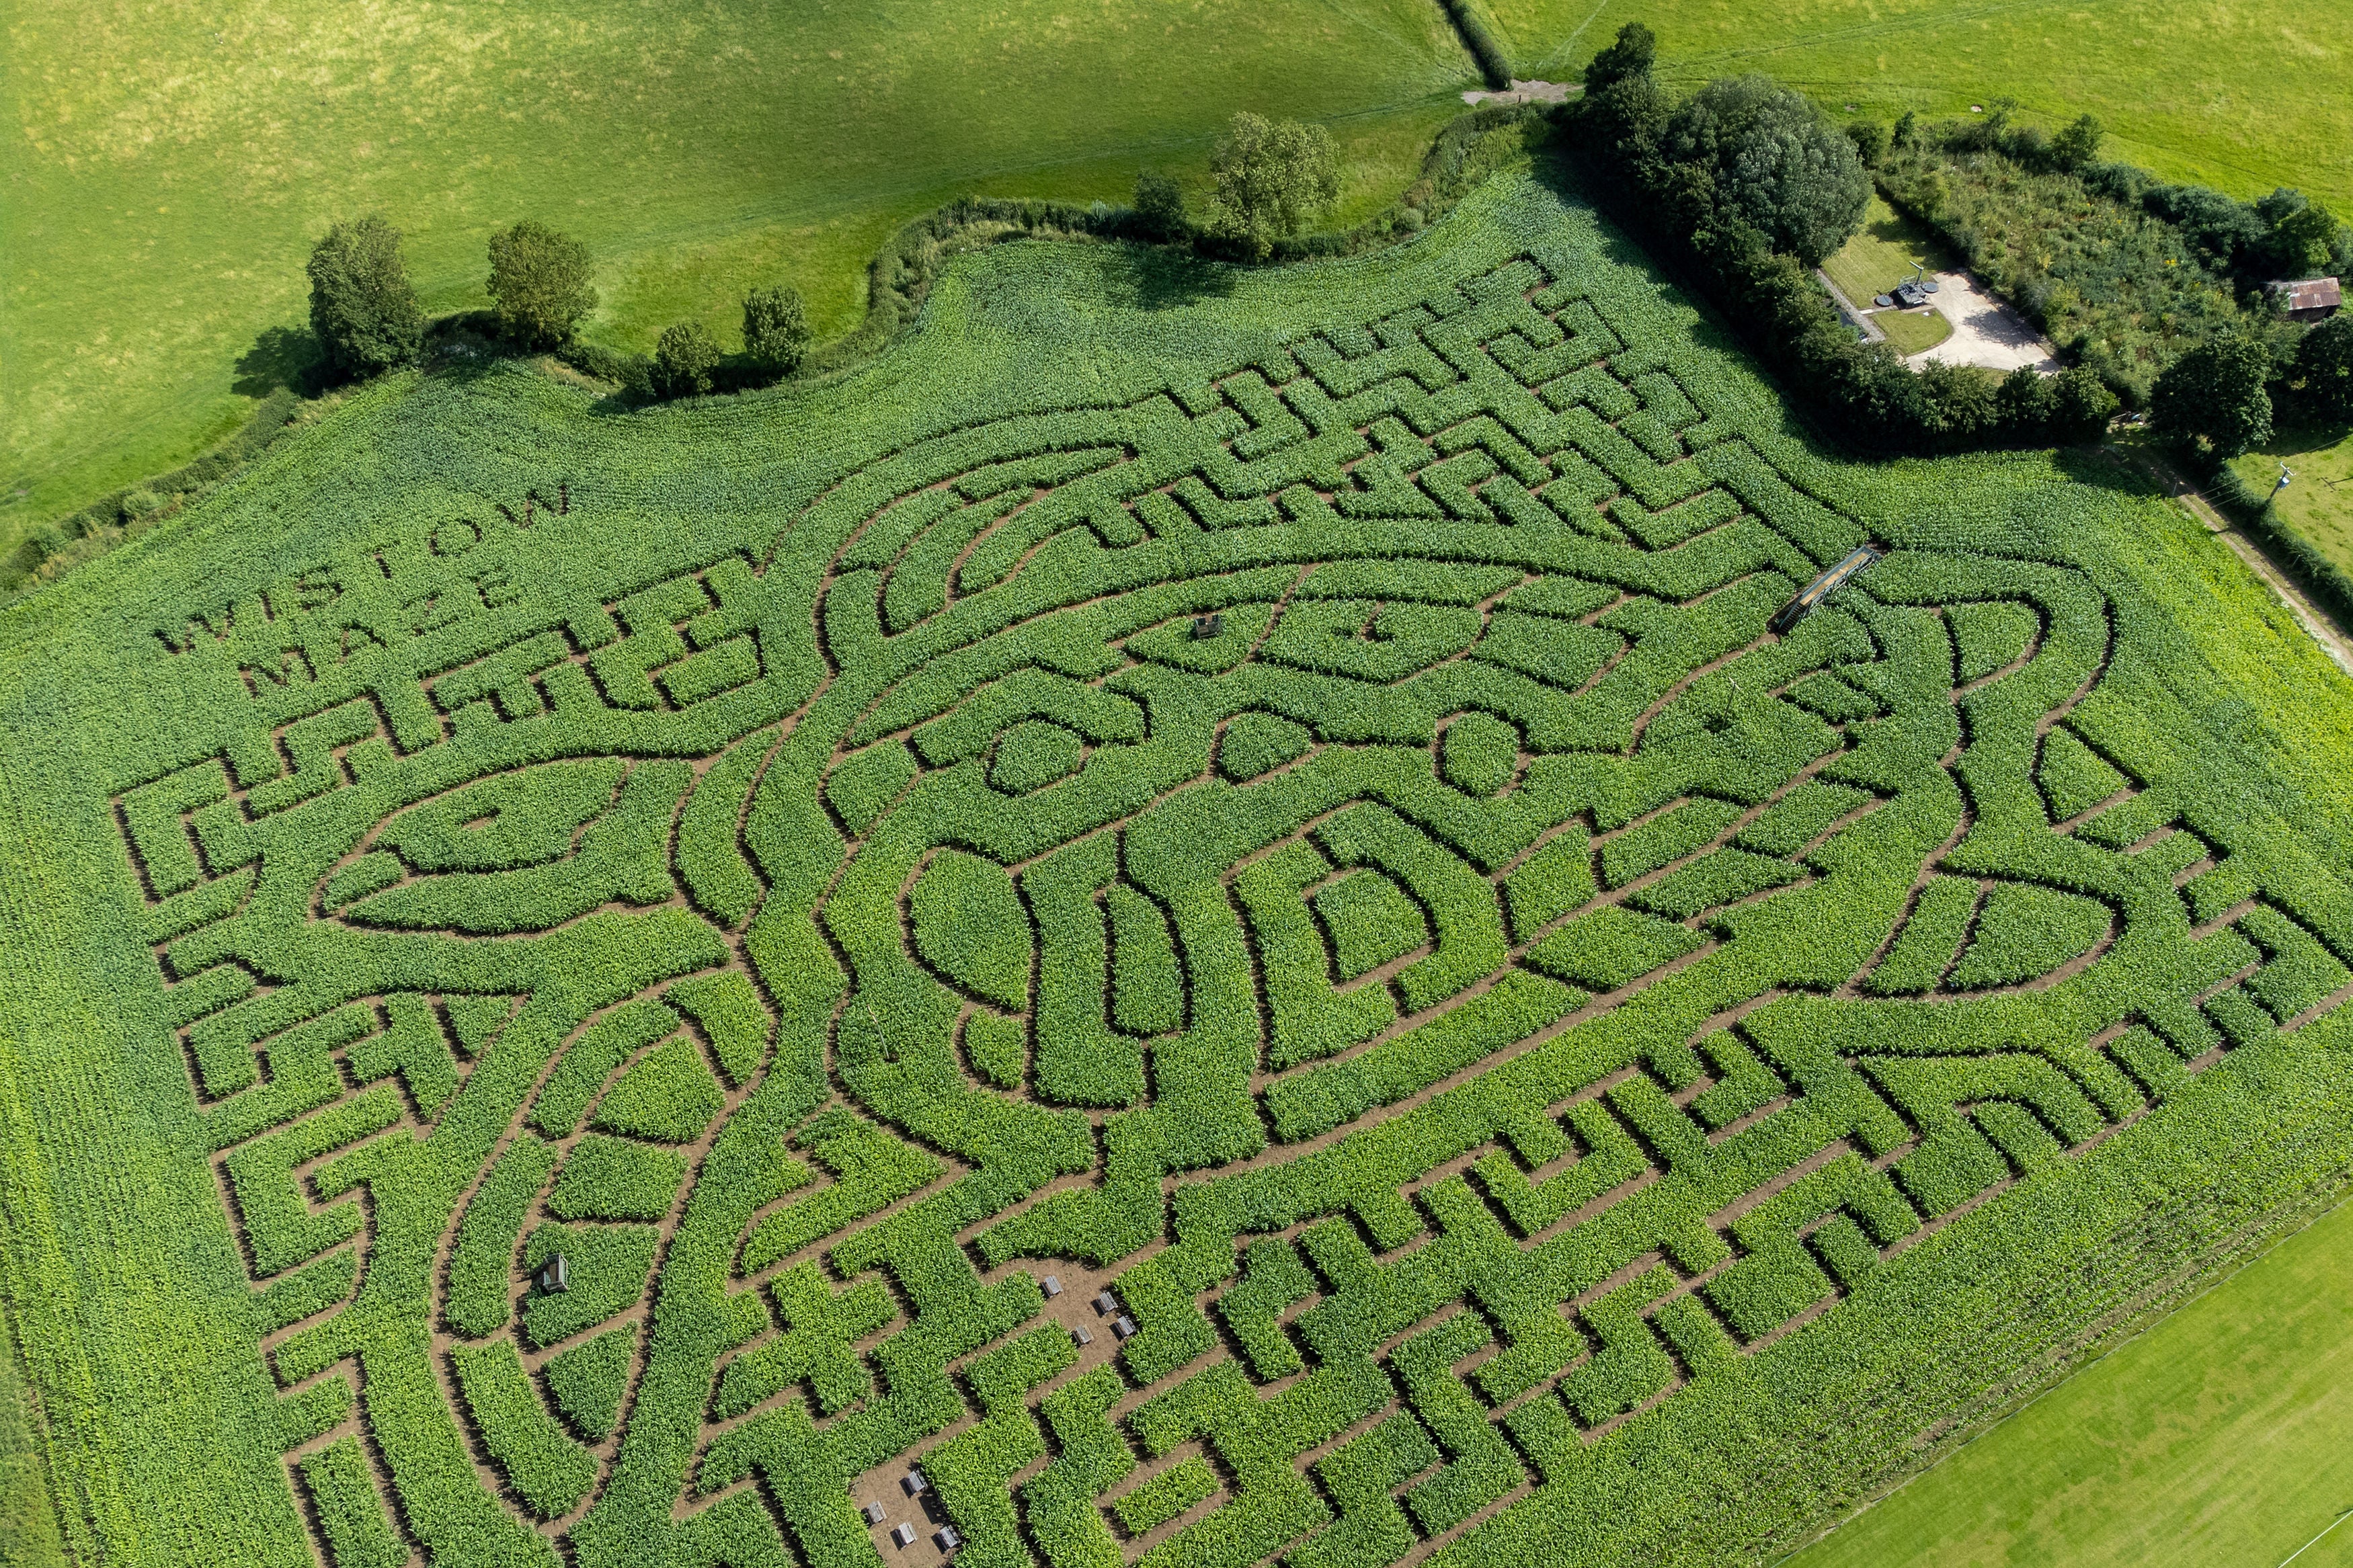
(1329, 854)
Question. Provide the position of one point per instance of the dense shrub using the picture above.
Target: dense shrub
(362, 310)
(1269, 178)
(2212, 400)
(775, 330)
(683, 360)
(1704, 180)
(539, 284)
(2122, 269)
(1160, 207)
(2323, 367)
(1773, 158)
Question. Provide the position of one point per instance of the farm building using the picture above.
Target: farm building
(2310, 298)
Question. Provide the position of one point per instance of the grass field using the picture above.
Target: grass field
(172, 166)
(2319, 502)
(2243, 97)
(1270, 794)
(2216, 1439)
(29, 1529)
(1888, 248)
(1913, 332)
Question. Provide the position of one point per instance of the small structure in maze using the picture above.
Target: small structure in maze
(1830, 581)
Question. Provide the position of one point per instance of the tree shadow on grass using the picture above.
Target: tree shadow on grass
(281, 357)
(1161, 278)
(2108, 467)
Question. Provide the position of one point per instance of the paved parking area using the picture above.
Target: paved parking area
(1985, 331)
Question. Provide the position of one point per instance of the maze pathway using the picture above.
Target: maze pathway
(1330, 856)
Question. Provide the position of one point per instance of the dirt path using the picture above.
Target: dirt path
(2317, 622)
(1526, 93)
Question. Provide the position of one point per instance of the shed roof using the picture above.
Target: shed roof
(2311, 294)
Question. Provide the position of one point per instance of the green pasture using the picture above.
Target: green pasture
(1883, 253)
(1913, 332)
(2319, 502)
(171, 166)
(29, 1529)
(2217, 1437)
(2243, 96)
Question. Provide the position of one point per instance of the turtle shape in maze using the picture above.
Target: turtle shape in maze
(1333, 858)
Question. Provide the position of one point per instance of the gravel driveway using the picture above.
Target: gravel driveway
(1985, 331)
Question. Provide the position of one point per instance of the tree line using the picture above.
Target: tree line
(1746, 187)
(1270, 179)
(364, 312)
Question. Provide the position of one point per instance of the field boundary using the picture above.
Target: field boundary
(2322, 624)
(2241, 1250)
(899, 278)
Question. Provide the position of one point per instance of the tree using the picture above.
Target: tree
(2323, 363)
(1869, 138)
(539, 283)
(1160, 206)
(2212, 399)
(682, 360)
(1630, 56)
(1272, 177)
(2077, 145)
(2022, 402)
(362, 307)
(2080, 405)
(775, 330)
(1776, 160)
(2304, 237)
(1907, 129)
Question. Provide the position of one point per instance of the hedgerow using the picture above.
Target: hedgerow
(811, 879)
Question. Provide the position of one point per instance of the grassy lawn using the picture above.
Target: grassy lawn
(1913, 332)
(2217, 1437)
(2245, 96)
(1883, 253)
(2318, 502)
(173, 164)
(28, 1531)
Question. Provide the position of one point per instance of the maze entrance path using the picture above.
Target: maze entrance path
(1326, 855)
